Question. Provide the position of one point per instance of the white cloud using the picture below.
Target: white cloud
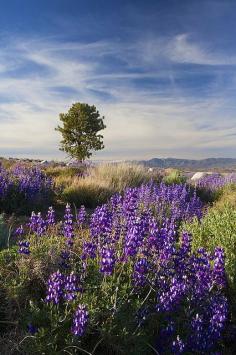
(138, 120)
(180, 49)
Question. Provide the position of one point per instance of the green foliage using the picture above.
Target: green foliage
(218, 229)
(226, 196)
(21, 281)
(80, 127)
(22, 292)
(4, 232)
(208, 196)
(174, 177)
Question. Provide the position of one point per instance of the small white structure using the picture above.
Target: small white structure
(198, 176)
(150, 170)
(45, 163)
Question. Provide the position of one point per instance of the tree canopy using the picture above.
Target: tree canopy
(80, 127)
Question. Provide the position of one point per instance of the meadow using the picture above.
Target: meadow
(116, 259)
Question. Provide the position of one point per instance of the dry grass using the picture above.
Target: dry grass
(101, 182)
(227, 197)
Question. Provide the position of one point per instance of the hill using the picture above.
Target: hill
(204, 164)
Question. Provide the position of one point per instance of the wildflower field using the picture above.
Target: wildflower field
(133, 263)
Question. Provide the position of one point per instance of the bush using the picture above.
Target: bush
(227, 197)
(122, 175)
(218, 229)
(4, 232)
(174, 177)
(86, 192)
(24, 187)
(211, 187)
(102, 182)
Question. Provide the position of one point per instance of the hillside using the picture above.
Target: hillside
(209, 163)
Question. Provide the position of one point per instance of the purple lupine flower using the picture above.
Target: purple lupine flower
(185, 244)
(50, 219)
(130, 203)
(153, 235)
(80, 320)
(107, 261)
(33, 222)
(65, 256)
(169, 329)
(178, 346)
(5, 182)
(101, 225)
(37, 224)
(142, 315)
(140, 228)
(19, 232)
(41, 225)
(200, 275)
(141, 268)
(55, 287)
(131, 241)
(136, 229)
(214, 182)
(89, 250)
(168, 300)
(81, 216)
(218, 317)
(31, 181)
(219, 276)
(24, 247)
(68, 229)
(32, 329)
(71, 287)
(198, 339)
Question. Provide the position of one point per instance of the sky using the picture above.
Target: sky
(162, 72)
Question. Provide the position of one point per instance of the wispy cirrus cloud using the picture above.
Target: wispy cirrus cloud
(143, 89)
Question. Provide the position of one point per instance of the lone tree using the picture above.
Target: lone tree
(80, 127)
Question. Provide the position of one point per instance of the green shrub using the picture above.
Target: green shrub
(227, 195)
(4, 232)
(174, 177)
(22, 291)
(218, 229)
(21, 280)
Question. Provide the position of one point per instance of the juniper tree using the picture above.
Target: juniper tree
(80, 131)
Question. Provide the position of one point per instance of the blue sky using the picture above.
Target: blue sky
(162, 72)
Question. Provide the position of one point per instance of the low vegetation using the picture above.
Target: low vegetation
(145, 267)
(174, 176)
(100, 182)
(218, 228)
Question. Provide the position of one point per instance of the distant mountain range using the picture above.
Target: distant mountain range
(203, 164)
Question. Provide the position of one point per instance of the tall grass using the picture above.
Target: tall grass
(120, 176)
(63, 171)
(101, 182)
